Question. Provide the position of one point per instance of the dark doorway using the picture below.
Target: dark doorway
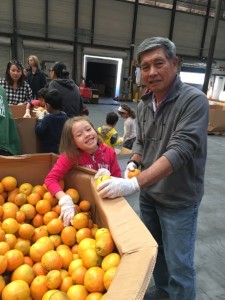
(102, 76)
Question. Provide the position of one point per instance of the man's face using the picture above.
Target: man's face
(158, 72)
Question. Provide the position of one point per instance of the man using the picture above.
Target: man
(171, 147)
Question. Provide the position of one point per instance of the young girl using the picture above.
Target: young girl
(80, 145)
(129, 115)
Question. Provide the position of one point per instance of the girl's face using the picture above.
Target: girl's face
(85, 137)
(31, 62)
(15, 73)
(123, 115)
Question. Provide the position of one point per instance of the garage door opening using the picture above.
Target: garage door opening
(104, 74)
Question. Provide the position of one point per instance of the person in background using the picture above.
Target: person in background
(49, 126)
(17, 89)
(108, 132)
(35, 76)
(129, 115)
(72, 102)
(171, 148)
(80, 145)
(40, 102)
(9, 138)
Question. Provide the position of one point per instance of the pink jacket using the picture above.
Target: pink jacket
(104, 157)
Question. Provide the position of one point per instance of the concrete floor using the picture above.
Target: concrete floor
(210, 244)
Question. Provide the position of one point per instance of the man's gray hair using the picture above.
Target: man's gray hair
(154, 43)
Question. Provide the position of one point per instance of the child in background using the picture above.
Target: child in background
(129, 115)
(108, 132)
(49, 126)
(80, 145)
(36, 103)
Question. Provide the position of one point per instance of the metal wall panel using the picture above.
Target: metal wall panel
(6, 16)
(5, 50)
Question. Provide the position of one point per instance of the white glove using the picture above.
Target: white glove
(118, 187)
(102, 172)
(40, 113)
(67, 210)
(131, 166)
(27, 113)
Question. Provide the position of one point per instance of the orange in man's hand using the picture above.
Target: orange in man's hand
(133, 173)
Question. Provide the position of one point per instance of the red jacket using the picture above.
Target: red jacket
(104, 157)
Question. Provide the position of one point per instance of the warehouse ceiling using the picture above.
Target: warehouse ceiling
(200, 7)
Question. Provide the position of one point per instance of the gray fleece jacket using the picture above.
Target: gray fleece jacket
(177, 130)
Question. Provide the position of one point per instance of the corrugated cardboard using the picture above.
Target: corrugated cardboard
(26, 130)
(216, 116)
(134, 242)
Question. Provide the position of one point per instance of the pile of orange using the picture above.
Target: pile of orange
(42, 259)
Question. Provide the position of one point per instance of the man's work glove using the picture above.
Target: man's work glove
(131, 166)
(27, 113)
(68, 210)
(40, 113)
(118, 187)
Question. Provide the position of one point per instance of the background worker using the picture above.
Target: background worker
(171, 147)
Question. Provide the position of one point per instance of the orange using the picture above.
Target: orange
(26, 188)
(74, 264)
(54, 279)
(2, 199)
(10, 225)
(4, 247)
(83, 233)
(85, 205)
(2, 284)
(93, 231)
(64, 273)
(48, 216)
(39, 269)
(101, 231)
(9, 210)
(48, 294)
(93, 280)
(59, 295)
(74, 194)
(94, 296)
(23, 272)
(38, 287)
(20, 216)
(3, 264)
(23, 246)
(2, 235)
(52, 260)
(74, 249)
(39, 189)
(90, 258)
(80, 220)
(90, 223)
(20, 199)
(38, 233)
(67, 282)
(78, 275)
(78, 292)
(14, 258)
(10, 239)
(53, 200)
(110, 260)
(67, 257)
(28, 260)
(38, 249)
(133, 173)
(108, 277)
(57, 209)
(12, 194)
(33, 198)
(62, 246)
(1, 187)
(68, 235)
(55, 226)
(85, 244)
(56, 239)
(38, 220)
(15, 290)
(9, 183)
(26, 231)
(104, 244)
(29, 211)
(43, 206)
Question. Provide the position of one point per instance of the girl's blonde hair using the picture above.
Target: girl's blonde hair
(130, 110)
(67, 143)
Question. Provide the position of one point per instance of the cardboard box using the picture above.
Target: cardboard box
(26, 130)
(216, 116)
(133, 241)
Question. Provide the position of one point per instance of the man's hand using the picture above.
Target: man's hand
(131, 166)
(67, 210)
(118, 187)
